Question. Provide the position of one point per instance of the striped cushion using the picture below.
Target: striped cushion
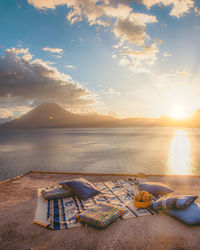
(100, 216)
(52, 193)
(175, 201)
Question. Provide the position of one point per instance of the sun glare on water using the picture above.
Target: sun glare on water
(179, 155)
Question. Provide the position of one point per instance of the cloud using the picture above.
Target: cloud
(15, 111)
(174, 74)
(179, 7)
(8, 113)
(132, 31)
(110, 92)
(22, 81)
(197, 11)
(176, 77)
(5, 113)
(17, 51)
(183, 73)
(138, 60)
(53, 50)
(128, 27)
(78, 9)
(46, 4)
(197, 27)
(70, 66)
(166, 54)
(167, 76)
(95, 11)
(132, 28)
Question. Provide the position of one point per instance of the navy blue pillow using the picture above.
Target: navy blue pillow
(81, 187)
(155, 188)
(189, 215)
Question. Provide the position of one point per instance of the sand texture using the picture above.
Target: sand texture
(18, 200)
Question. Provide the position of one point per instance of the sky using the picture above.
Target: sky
(119, 57)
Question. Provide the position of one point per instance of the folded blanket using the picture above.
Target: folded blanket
(55, 193)
(100, 216)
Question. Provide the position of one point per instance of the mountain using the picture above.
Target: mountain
(51, 115)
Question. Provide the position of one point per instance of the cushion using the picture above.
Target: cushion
(189, 215)
(174, 201)
(55, 193)
(81, 187)
(155, 188)
(100, 216)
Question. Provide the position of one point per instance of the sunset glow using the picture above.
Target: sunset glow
(179, 154)
(129, 58)
(178, 112)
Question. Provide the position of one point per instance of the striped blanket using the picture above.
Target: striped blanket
(100, 216)
(60, 213)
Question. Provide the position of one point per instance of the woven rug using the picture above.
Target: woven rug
(60, 213)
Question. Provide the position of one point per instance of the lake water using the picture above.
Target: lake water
(103, 150)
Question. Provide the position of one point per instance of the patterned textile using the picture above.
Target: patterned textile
(175, 201)
(60, 213)
(52, 193)
(100, 216)
(81, 187)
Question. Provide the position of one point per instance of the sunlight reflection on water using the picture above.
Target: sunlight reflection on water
(179, 156)
(100, 150)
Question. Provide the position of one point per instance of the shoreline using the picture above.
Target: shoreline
(140, 175)
(18, 200)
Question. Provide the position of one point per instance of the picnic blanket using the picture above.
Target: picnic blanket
(60, 213)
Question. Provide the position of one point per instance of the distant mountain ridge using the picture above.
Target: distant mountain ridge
(51, 115)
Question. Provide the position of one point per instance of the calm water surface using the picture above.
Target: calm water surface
(105, 150)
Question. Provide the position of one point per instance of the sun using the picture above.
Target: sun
(178, 112)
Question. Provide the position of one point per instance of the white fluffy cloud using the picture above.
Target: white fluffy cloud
(46, 4)
(17, 51)
(126, 25)
(70, 66)
(22, 81)
(138, 60)
(53, 50)
(179, 7)
(101, 13)
(132, 28)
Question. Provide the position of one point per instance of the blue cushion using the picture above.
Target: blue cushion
(155, 188)
(174, 201)
(189, 215)
(81, 187)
